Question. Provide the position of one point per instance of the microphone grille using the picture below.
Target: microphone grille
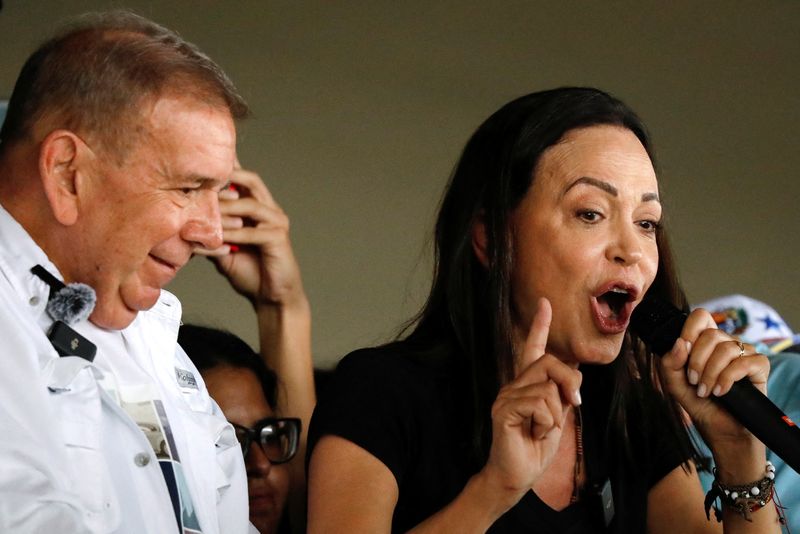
(72, 303)
(658, 323)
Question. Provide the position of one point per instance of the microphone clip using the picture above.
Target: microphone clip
(68, 304)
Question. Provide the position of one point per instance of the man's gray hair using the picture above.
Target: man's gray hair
(96, 75)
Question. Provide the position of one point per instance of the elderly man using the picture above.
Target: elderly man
(118, 138)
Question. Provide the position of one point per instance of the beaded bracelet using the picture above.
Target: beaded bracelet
(744, 499)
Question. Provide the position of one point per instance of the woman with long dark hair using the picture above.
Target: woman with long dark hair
(521, 401)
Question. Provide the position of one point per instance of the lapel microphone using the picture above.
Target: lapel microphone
(68, 304)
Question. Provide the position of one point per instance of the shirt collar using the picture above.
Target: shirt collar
(18, 248)
(18, 253)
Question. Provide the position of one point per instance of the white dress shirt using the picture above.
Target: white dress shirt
(71, 459)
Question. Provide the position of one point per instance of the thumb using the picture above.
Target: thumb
(673, 364)
(678, 355)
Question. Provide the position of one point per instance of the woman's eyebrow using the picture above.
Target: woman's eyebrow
(607, 187)
(588, 180)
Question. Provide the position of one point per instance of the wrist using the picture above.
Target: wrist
(496, 496)
(288, 304)
(741, 462)
(743, 499)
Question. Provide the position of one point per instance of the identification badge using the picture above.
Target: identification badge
(186, 379)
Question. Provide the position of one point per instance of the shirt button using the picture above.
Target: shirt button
(141, 459)
(33, 301)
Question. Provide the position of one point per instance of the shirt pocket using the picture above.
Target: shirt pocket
(223, 451)
(79, 412)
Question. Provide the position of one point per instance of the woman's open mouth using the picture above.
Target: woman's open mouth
(612, 308)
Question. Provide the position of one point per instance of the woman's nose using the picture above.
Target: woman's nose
(626, 248)
(257, 461)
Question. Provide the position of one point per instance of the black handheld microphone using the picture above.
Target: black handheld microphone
(659, 325)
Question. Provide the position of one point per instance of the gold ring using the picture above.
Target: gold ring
(741, 349)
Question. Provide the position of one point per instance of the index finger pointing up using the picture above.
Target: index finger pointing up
(536, 342)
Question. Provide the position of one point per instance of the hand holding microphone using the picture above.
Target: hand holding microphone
(718, 380)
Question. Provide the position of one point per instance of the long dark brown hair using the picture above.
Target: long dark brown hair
(470, 306)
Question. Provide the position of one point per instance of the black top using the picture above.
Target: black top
(408, 412)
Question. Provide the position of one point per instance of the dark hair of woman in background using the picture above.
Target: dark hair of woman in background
(247, 392)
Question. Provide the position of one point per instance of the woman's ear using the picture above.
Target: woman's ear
(59, 157)
(479, 240)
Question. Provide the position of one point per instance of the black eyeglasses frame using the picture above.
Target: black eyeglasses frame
(253, 435)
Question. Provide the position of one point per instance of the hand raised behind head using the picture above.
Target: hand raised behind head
(528, 414)
(257, 258)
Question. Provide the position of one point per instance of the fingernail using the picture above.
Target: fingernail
(233, 248)
(693, 377)
(717, 390)
(232, 187)
(576, 398)
(701, 390)
(688, 346)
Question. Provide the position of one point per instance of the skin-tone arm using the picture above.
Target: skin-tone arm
(349, 490)
(352, 491)
(258, 261)
(705, 363)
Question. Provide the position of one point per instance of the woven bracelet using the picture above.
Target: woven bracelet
(743, 499)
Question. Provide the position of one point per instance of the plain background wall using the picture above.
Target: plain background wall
(362, 108)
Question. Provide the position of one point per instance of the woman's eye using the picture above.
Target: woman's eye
(589, 216)
(649, 226)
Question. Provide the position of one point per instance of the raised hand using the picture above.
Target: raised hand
(257, 256)
(529, 413)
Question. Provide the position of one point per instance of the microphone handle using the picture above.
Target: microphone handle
(765, 420)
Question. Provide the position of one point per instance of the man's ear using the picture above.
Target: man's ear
(59, 157)
(479, 240)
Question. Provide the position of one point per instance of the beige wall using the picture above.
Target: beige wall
(361, 109)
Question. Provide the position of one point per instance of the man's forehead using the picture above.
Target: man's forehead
(172, 101)
(193, 140)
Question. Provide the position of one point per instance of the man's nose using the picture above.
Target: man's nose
(204, 226)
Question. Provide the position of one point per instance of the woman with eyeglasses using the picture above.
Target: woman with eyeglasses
(258, 261)
(246, 391)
